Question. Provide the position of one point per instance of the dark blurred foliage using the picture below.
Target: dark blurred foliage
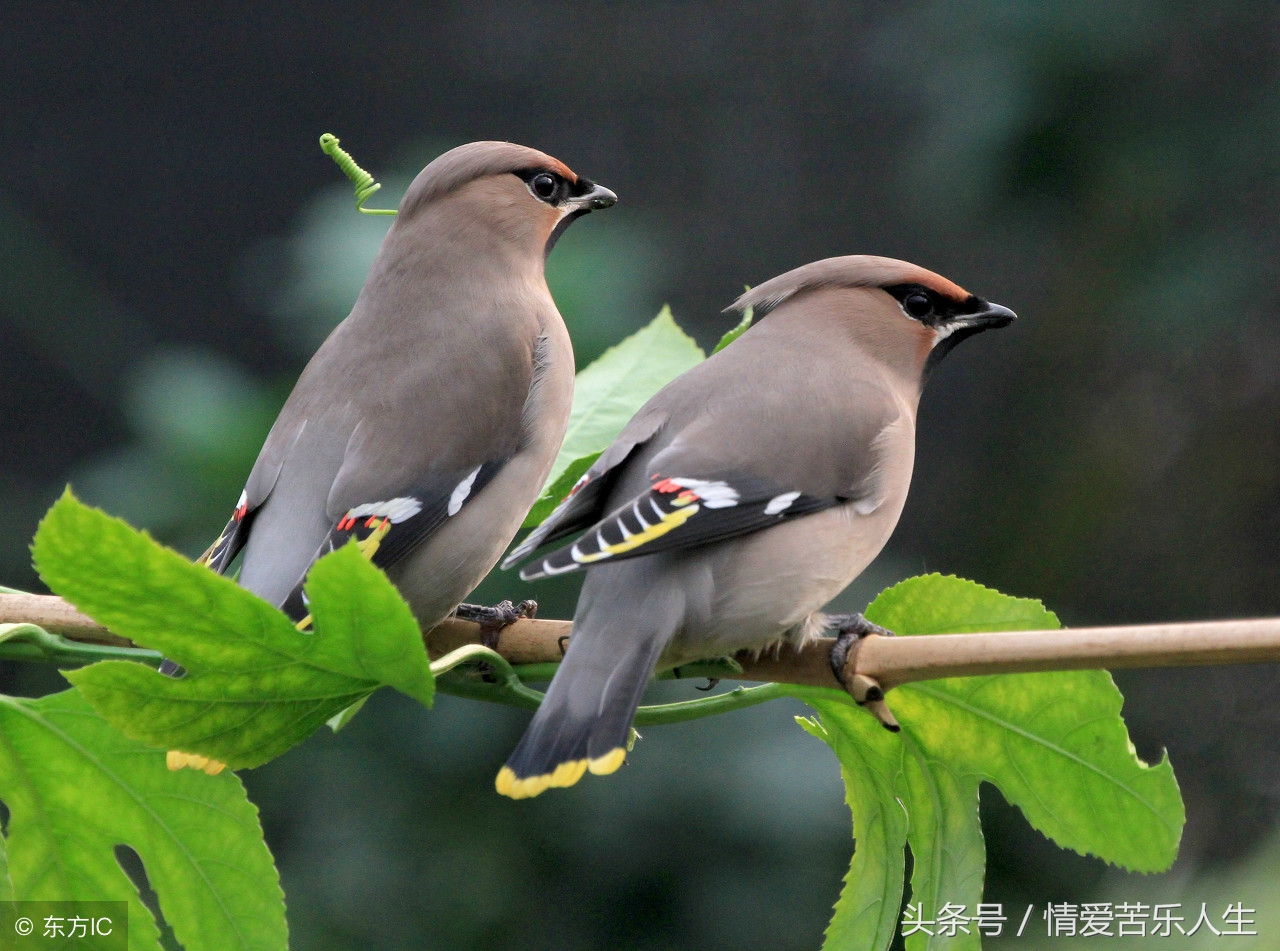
(173, 245)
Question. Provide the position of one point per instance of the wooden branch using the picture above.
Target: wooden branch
(57, 617)
(892, 661)
(898, 660)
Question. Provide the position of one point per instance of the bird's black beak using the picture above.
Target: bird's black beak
(987, 317)
(592, 197)
(586, 196)
(984, 316)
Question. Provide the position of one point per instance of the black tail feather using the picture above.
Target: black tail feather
(585, 721)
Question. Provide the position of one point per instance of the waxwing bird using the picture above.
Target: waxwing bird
(741, 498)
(428, 421)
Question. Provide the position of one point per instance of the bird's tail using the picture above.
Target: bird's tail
(585, 721)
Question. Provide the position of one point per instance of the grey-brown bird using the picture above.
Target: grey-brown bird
(428, 421)
(742, 497)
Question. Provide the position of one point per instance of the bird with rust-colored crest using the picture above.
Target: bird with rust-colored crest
(428, 421)
(742, 498)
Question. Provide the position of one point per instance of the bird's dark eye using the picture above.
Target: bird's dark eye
(917, 304)
(544, 185)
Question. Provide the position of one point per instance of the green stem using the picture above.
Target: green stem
(537, 673)
(715, 668)
(737, 699)
(28, 642)
(474, 689)
(508, 688)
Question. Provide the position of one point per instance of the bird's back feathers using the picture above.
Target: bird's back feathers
(698, 477)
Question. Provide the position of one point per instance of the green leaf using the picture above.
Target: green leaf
(945, 604)
(6, 882)
(867, 910)
(1054, 744)
(558, 490)
(339, 720)
(747, 316)
(75, 789)
(254, 686)
(29, 642)
(612, 389)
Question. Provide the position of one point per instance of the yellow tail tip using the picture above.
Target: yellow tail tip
(565, 774)
(176, 760)
(604, 765)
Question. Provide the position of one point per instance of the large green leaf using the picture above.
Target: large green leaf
(867, 911)
(6, 883)
(1054, 744)
(610, 391)
(558, 489)
(254, 686)
(76, 788)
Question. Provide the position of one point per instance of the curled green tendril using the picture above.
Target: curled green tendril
(361, 180)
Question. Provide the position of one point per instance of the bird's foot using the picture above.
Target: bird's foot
(493, 619)
(866, 691)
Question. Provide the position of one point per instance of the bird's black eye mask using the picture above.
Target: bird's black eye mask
(931, 308)
(950, 319)
(545, 185)
(553, 188)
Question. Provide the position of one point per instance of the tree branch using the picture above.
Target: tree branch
(892, 661)
(57, 617)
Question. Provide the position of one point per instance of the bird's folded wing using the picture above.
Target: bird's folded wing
(681, 512)
(403, 522)
(724, 460)
(584, 505)
(280, 441)
(397, 460)
(389, 529)
(228, 544)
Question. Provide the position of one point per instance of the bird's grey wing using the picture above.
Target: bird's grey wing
(262, 479)
(409, 469)
(585, 503)
(681, 512)
(390, 528)
(390, 517)
(406, 467)
(726, 476)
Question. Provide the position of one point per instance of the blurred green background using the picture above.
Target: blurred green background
(173, 246)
